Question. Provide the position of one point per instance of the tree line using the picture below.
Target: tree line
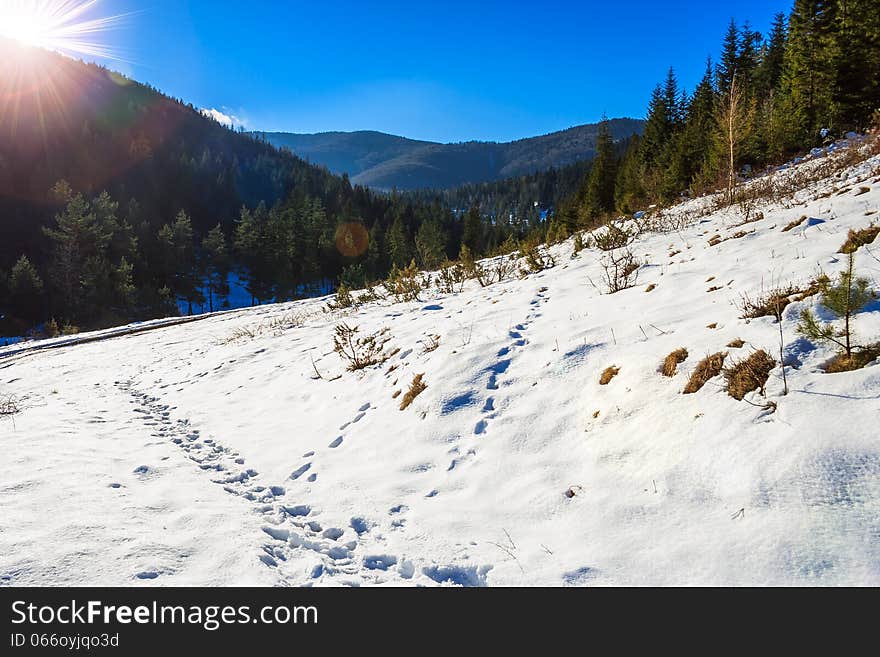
(812, 79)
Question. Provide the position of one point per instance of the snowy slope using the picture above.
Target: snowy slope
(207, 454)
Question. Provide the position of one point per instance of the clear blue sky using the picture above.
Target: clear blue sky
(445, 71)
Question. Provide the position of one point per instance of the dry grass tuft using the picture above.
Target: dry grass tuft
(858, 360)
(608, 374)
(736, 344)
(772, 302)
(706, 369)
(415, 389)
(749, 374)
(858, 238)
(794, 224)
(671, 362)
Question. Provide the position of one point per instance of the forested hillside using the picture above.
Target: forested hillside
(388, 162)
(812, 79)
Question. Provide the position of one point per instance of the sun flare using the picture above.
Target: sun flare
(66, 26)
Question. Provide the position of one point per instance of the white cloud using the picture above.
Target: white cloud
(223, 117)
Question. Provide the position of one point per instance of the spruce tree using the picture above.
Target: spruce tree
(216, 265)
(599, 199)
(809, 76)
(472, 232)
(25, 291)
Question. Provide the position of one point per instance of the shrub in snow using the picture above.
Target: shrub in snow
(360, 352)
(706, 369)
(343, 298)
(537, 259)
(748, 374)
(405, 284)
(612, 237)
(450, 278)
(9, 405)
(620, 270)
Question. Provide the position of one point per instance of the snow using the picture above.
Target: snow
(204, 454)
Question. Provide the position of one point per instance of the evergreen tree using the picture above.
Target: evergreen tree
(729, 57)
(857, 63)
(808, 76)
(472, 234)
(177, 241)
(629, 190)
(216, 265)
(399, 248)
(25, 291)
(80, 269)
(431, 244)
(599, 198)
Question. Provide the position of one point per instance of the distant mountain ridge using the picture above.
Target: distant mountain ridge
(386, 161)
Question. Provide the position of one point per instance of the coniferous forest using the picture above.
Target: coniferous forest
(119, 203)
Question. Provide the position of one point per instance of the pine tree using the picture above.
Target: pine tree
(729, 57)
(80, 269)
(216, 264)
(808, 76)
(696, 155)
(181, 264)
(472, 235)
(599, 199)
(844, 299)
(399, 242)
(769, 72)
(431, 244)
(25, 291)
(629, 190)
(857, 63)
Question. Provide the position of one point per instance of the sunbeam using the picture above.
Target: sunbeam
(66, 26)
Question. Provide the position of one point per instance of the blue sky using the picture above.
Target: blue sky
(444, 71)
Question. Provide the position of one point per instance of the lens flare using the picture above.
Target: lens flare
(66, 26)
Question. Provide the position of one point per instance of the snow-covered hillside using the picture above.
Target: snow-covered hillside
(211, 453)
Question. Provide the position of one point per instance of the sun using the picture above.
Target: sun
(67, 26)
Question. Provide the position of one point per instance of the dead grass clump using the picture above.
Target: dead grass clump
(671, 362)
(858, 238)
(706, 369)
(749, 374)
(859, 359)
(9, 405)
(794, 224)
(769, 304)
(736, 344)
(431, 343)
(608, 374)
(415, 389)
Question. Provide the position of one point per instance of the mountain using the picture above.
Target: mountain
(386, 161)
(240, 449)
